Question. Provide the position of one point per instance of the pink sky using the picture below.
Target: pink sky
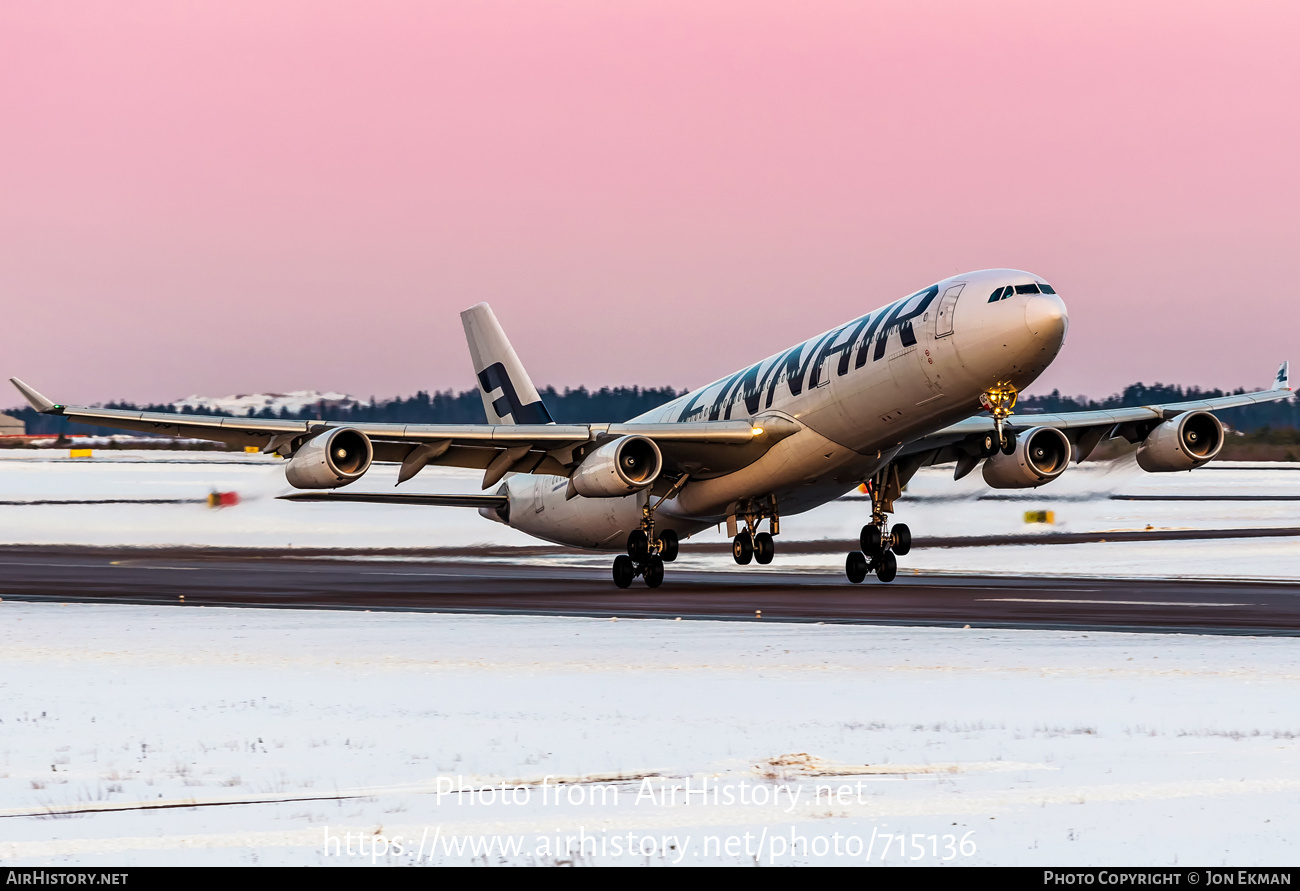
(237, 197)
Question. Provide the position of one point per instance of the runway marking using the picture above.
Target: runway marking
(266, 569)
(937, 584)
(40, 502)
(1107, 602)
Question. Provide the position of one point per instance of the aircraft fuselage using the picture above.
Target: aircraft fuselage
(858, 393)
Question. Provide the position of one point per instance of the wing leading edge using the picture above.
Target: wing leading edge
(704, 449)
(1086, 429)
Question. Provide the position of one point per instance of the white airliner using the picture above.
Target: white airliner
(929, 379)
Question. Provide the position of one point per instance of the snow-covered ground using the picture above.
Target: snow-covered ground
(125, 729)
(934, 505)
(147, 735)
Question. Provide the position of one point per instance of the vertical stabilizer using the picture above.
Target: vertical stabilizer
(509, 396)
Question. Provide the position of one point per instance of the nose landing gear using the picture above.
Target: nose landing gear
(881, 545)
(999, 400)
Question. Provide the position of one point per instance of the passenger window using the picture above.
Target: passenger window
(1027, 289)
(996, 295)
(1047, 289)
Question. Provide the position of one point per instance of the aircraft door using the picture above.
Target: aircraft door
(826, 370)
(939, 347)
(943, 315)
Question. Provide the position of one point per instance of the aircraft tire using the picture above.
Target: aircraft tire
(742, 548)
(638, 545)
(869, 541)
(669, 545)
(624, 571)
(902, 539)
(887, 566)
(1009, 443)
(654, 572)
(764, 547)
(855, 567)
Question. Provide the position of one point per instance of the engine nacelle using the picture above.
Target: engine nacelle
(1040, 456)
(621, 467)
(331, 459)
(1181, 443)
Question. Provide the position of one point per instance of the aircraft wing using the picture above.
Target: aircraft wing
(1085, 429)
(703, 449)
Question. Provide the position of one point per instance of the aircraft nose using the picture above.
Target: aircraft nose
(1046, 318)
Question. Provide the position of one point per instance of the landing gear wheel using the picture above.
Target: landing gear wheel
(638, 545)
(855, 567)
(742, 548)
(988, 446)
(654, 572)
(869, 541)
(668, 545)
(1009, 443)
(886, 566)
(764, 547)
(902, 539)
(624, 570)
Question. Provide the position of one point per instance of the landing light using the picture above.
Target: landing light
(757, 431)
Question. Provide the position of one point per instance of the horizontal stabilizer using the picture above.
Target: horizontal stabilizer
(394, 498)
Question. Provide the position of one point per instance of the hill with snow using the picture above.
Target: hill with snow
(294, 401)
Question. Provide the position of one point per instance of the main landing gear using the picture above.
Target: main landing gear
(881, 545)
(647, 552)
(881, 549)
(748, 544)
(645, 558)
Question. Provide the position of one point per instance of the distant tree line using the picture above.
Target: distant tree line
(614, 404)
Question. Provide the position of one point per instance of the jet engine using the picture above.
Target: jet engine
(1040, 456)
(1181, 443)
(331, 459)
(620, 467)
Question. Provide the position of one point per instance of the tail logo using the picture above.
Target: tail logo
(494, 377)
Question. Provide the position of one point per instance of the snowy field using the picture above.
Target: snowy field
(133, 735)
(934, 505)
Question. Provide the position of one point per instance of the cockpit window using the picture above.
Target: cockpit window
(1027, 289)
(1046, 288)
(997, 295)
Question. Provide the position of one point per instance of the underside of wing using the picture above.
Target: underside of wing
(480, 501)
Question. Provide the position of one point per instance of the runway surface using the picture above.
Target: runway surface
(461, 584)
